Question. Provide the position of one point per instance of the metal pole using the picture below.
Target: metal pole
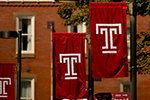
(133, 52)
(90, 79)
(52, 75)
(19, 67)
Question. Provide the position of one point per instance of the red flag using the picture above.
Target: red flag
(7, 86)
(69, 59)
(108, 39)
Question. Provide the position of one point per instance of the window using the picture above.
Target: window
(80, 28)
(128, 40)
(27, 89)
(27, 25)
(125, 87)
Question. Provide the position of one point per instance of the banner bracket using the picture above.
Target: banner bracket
(131, 8)
(88, 38)
(17, 66)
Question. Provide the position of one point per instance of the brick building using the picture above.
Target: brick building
(33, 17)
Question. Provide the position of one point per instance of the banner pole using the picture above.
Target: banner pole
(51, 69)
(90, 79)
(19, 68)
(133, 51)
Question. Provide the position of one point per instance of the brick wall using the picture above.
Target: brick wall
(40, 65)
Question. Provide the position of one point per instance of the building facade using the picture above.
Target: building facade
(34, 17)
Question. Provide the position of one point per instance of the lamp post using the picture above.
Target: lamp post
(11, 35)
(133, 51)
(90, 79)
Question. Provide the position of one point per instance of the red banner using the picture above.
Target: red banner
(108, 39)
(7, 85)
(69, 65)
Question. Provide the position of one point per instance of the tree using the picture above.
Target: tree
(143, 52)
(75, 13)
(143, 7)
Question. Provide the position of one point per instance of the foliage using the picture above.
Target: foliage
(66, 10)
(143, 7)
(75, 13)
(143, 54)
